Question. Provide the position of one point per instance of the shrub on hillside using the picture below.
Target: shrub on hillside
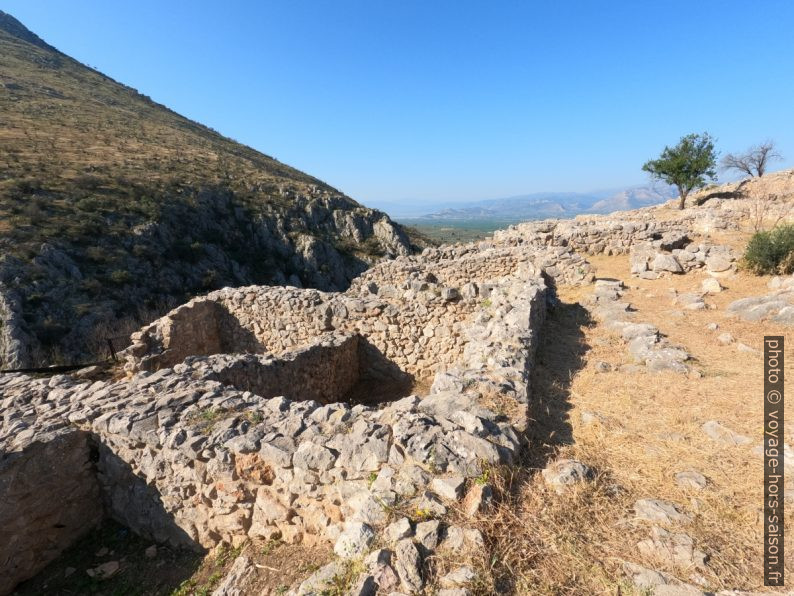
(772, 251)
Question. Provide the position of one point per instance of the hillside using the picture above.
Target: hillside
(113, 208)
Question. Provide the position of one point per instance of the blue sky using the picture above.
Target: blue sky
(434, 100)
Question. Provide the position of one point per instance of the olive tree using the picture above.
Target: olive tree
(687, 165)
(754, 161)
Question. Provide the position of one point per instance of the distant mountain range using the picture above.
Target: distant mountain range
(535, 206)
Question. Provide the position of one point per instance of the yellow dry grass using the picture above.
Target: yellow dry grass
(647, 430)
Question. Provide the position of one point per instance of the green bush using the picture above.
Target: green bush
(771, 252)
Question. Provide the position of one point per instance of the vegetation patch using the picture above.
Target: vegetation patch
(771, 252)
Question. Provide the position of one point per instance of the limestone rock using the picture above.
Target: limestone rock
(408, 564)
(672, 548)
(399, 529)
(658, 581)
(718, 263)
(428, 534)
(711, 286)
(691, 479)
(723, 435)
(233, 584)
(450, 488)
(666, 262)
(321, 580)
(657, 510)
(478, 499)
(458, 577)
(565, 472)
(354, 540)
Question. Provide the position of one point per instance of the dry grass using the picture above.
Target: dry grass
(648, 429)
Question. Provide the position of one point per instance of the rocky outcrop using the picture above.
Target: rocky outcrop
(35, 527)
(15, 341)
(777, 306)
(650, 350)
(212, 243)
(652, 260)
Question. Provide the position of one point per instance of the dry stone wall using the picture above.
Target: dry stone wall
(50, 497)
(264, 411)
(401, 306)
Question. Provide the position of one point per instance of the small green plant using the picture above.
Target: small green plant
(205, 419)
(254, 417)
(342, 582)
(373, 476)
(483, 478)
(770, 252)
(308, 568)
(486, 303)
(271, 545)
(185, 588)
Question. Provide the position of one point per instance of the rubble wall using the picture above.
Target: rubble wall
(50, 498)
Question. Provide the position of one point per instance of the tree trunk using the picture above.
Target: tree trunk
(683, 198)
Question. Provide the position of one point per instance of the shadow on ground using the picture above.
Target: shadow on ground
(559, 357)
(137, 573)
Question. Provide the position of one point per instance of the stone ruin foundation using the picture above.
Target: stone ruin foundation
(267, 412)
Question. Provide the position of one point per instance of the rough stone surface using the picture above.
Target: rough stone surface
(354, 540)
(776, 306)
(723, 435)
(408, 564)
(450, 488)
(234, 583)
(711, 286)
(478, 499)
(659, 582)
(250, 412)
(565, 472)
(657, 510)
(691, 479)
(281, 411)
(672, 548)
(647, 346)
(458, 577)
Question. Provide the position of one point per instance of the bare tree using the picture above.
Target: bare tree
(768, 211)
(753, 162)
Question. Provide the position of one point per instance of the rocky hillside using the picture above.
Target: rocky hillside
(113, 208)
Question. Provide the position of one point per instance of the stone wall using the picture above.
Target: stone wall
(271, 411)
(414, 309)
(187, 456)
(50, 497)
(617, 233)
(329, 370)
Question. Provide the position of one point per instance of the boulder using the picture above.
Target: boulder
(666, 262)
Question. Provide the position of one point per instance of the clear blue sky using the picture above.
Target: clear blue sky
(439, 100)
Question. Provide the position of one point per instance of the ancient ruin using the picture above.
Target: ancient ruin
(262, 412)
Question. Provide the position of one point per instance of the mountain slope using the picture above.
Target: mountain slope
(113, 207)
